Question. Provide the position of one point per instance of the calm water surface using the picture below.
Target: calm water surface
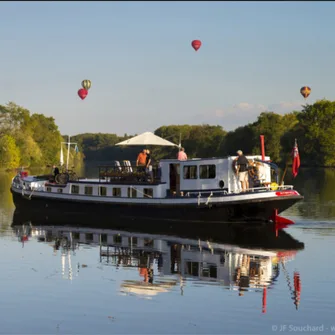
(74, 279)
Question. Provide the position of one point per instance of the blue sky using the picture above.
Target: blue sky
(255, 56)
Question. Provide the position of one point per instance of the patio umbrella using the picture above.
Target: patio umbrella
(147, 138)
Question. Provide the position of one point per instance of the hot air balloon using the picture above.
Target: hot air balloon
(305, 91)
(82, 93)
(86, 84)
(196, 44)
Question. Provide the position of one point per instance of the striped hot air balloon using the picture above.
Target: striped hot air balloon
(86, 84)
(305, 91)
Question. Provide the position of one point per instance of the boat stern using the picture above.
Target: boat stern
(286, 199)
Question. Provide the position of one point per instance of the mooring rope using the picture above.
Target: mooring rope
(145, 195)
(209, 198)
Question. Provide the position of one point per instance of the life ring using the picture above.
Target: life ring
(274, 186)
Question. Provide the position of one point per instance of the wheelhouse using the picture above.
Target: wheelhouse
(215, 174)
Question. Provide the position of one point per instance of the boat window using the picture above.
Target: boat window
(103, 238)
(190, 172)
(102, 191)
(192, 268)
(89, 237)
(209, 271)
(76, 236)
(88, 190)
(148, 193)
(132, 193)
(75, 189)
(207, 171)
(117, 239)
(132, 241)
(60, 190)
(148, 242)
(116, 192)
(48, 189)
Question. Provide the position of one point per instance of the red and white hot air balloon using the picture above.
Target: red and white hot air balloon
(82, 93)
(196, 44)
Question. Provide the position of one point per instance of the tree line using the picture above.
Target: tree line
(28, 140)
(33, 139)
(313, 127)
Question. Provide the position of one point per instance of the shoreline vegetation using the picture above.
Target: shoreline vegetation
(34, 140)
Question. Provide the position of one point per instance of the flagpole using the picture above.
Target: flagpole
(68, 154)
(61, 161)
(292, 154)
(283, 176)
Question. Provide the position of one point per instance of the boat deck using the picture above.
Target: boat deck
(95, 181)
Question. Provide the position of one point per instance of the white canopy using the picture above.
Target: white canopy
(144, 288)
(147, 138)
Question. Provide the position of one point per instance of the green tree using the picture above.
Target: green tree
(273, 126)
(242, 138)
(30, 152)
(47, 136)
(9, 152)
(198, 140)
(317, 123)
(13, 118)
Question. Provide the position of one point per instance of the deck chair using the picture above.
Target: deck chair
(118, 166)
(118, 169)
(127, 166)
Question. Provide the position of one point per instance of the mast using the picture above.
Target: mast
(68, 143)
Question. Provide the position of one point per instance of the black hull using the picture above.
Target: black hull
(254, 210)
(248, 235)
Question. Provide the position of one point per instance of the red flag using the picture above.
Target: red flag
(295, 160)
(297, 288)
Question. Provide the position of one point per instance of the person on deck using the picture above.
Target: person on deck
(55, 171)
(242, 170)
(148, 167)
(182, 155)
(142, 160)
(148, 159)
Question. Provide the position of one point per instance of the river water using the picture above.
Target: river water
(94, 279)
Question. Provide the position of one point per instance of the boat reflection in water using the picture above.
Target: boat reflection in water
(240, 257)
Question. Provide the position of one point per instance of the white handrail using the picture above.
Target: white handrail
(285, 187)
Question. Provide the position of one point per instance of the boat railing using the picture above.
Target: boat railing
(269, 188)
(225, 192)
(128, 172)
